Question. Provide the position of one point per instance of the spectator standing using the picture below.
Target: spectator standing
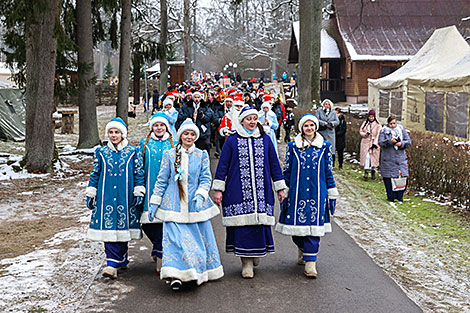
(340, 137)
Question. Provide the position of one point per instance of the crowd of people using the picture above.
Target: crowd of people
(161, 187)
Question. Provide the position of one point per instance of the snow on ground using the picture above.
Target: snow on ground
(428, 272)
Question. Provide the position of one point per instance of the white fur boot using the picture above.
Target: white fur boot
(256, 261)
(110, 272)
(300, 257)
(310, 269)
(247, 267)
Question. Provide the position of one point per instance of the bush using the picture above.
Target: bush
(437, 164)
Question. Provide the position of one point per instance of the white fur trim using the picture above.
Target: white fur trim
(333, 193)
(119, 126)
(286, 191)
(165, 136)
(192, 274)
(203, 193)
(308, 117)
(187, 217)
(243, 133)
(249, 219)
(218, 185)
(246, 113)
(139, 191)
(280, 185)
(114, 235)
(154, 199)
(144, 219)
(307, 230)
(266, 105)
(167, 101)
(224, 130)
(119, 147)
(90, 192)
(159, 119)
(317, 142)
(189, 126)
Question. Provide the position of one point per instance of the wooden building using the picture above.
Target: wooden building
(377, 37)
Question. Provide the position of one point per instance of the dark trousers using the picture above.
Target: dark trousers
(219, 142)
(392, 195)
(154, 232)
(116, 254)
(309, 245)
(340, 157)
(287, 137)
(204, 144)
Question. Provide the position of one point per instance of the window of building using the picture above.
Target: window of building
(387, 69)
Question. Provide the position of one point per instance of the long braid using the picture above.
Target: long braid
(177, 165)
(145, 144)
(171, 140)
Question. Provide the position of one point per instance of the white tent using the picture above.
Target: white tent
(431, 91)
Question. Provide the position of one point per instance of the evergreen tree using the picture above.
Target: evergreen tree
(108, 70)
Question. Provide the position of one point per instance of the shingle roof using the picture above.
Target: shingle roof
(395, 29)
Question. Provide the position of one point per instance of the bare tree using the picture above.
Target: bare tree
(187, 40)
(162, 47)
(88, 123)
(41, 47)
(124, 60)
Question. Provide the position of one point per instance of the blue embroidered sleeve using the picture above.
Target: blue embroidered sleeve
(172, 117)
(139, 176)
(205, 176)
(273, 122)
(330, 181)
(276, 172)
(288, 164)
(96, 171)
(163, 175)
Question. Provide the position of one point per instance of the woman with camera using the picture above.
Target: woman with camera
(370, 150)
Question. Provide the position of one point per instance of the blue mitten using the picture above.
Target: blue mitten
(137, 201)
(152, 210)
(332, 206)
(90, 203)
(199, 202)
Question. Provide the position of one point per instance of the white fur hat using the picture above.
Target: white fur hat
(308, 117)
(118, 124)
(159, 117)
(245, 112)
(188, 124)
(167, 101)
(266, 105)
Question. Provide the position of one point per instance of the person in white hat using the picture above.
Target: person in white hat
(181, 200)
(114, 193)
(268, 119)
(158, 140)
(172, 115)
(246, 174)
(312, 192)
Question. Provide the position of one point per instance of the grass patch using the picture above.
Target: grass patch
(440, 225)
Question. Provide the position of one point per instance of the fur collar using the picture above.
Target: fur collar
(317, 142)
(119, 147)
(165, 136)
(190, 150)
(243, 133)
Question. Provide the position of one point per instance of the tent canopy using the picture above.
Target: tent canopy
(446, 55)
(12, 115)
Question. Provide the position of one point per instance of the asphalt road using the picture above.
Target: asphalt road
(348, 281)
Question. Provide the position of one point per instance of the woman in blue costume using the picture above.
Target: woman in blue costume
(115, 189)
(268, 119)
(243, 183)
(172, 115)
(181, 200)
(158, 140)
(312, 193)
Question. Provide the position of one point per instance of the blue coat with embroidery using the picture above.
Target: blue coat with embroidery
(246, 169)
(308, 174)
(172, 115)
(116, 177)
(196, 179)
(152, 160)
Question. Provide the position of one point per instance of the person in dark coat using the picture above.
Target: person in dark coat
(289, 123)
(393, 139)
(201, 114)
(340, 133)
(155, 98)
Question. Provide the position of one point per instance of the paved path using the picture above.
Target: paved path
(349, 281)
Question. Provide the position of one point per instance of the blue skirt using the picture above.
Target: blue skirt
(190, 252)
(249, 241)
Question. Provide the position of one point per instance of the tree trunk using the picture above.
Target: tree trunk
(136, 72)
(309, 53)
(187, 41)
(162, 53)
(40, 77)
(124, 61)
(88, 123)
(316, 16)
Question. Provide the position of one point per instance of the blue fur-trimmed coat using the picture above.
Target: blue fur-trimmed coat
(196, 179)
(117, 177)
(152, 161)
(308, 174)
(247, 165)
